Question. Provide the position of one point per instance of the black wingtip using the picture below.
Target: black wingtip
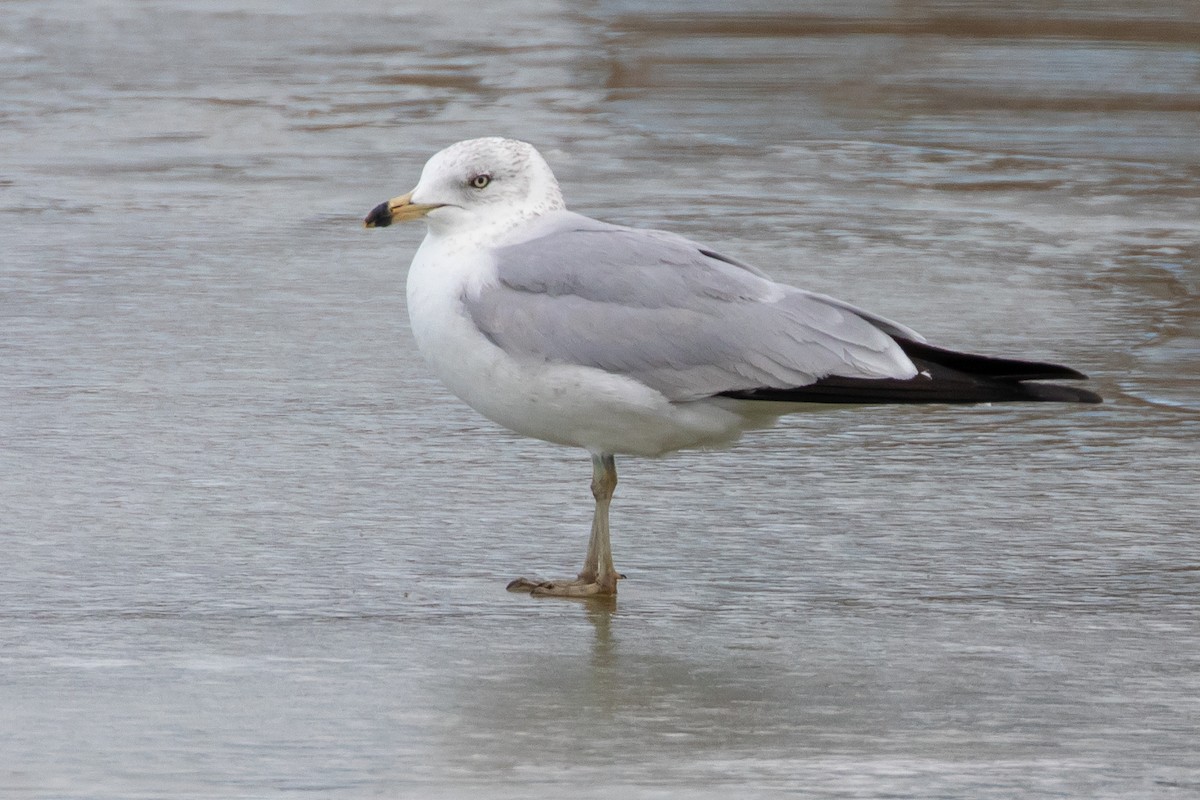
(1054, 393)
(1011, 369)
(944, 376)
(919, 391)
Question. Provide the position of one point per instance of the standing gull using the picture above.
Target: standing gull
(642, 342)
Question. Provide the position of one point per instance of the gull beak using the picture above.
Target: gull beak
(398, 209)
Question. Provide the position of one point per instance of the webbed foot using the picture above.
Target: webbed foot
(600, 586)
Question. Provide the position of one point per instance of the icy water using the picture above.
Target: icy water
(250, 549)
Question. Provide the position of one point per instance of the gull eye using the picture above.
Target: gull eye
(481, 180)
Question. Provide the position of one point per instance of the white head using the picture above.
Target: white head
(475, 184)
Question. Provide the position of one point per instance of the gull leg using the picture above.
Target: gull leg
(599, 576)
(598, 567)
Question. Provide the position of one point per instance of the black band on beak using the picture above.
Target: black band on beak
(380, 217)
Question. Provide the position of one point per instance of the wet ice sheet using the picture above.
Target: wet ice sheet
(252, 549)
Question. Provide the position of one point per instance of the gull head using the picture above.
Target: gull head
(476, 184)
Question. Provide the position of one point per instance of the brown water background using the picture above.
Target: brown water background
(251, 549)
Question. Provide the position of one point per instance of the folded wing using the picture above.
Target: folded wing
(681, 319)
(691, 323)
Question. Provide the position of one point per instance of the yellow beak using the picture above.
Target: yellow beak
(398, 209)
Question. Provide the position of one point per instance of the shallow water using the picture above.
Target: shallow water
(252, 549)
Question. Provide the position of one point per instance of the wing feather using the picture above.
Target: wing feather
(672, 314)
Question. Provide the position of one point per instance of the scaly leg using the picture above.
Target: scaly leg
(599, 576)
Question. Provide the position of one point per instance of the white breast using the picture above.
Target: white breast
(562, 403)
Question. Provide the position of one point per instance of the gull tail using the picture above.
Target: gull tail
(943, 376)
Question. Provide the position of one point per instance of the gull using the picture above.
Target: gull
(631, 341)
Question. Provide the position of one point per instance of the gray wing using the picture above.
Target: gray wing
(681, 319)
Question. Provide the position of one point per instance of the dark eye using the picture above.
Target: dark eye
(481, 180)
